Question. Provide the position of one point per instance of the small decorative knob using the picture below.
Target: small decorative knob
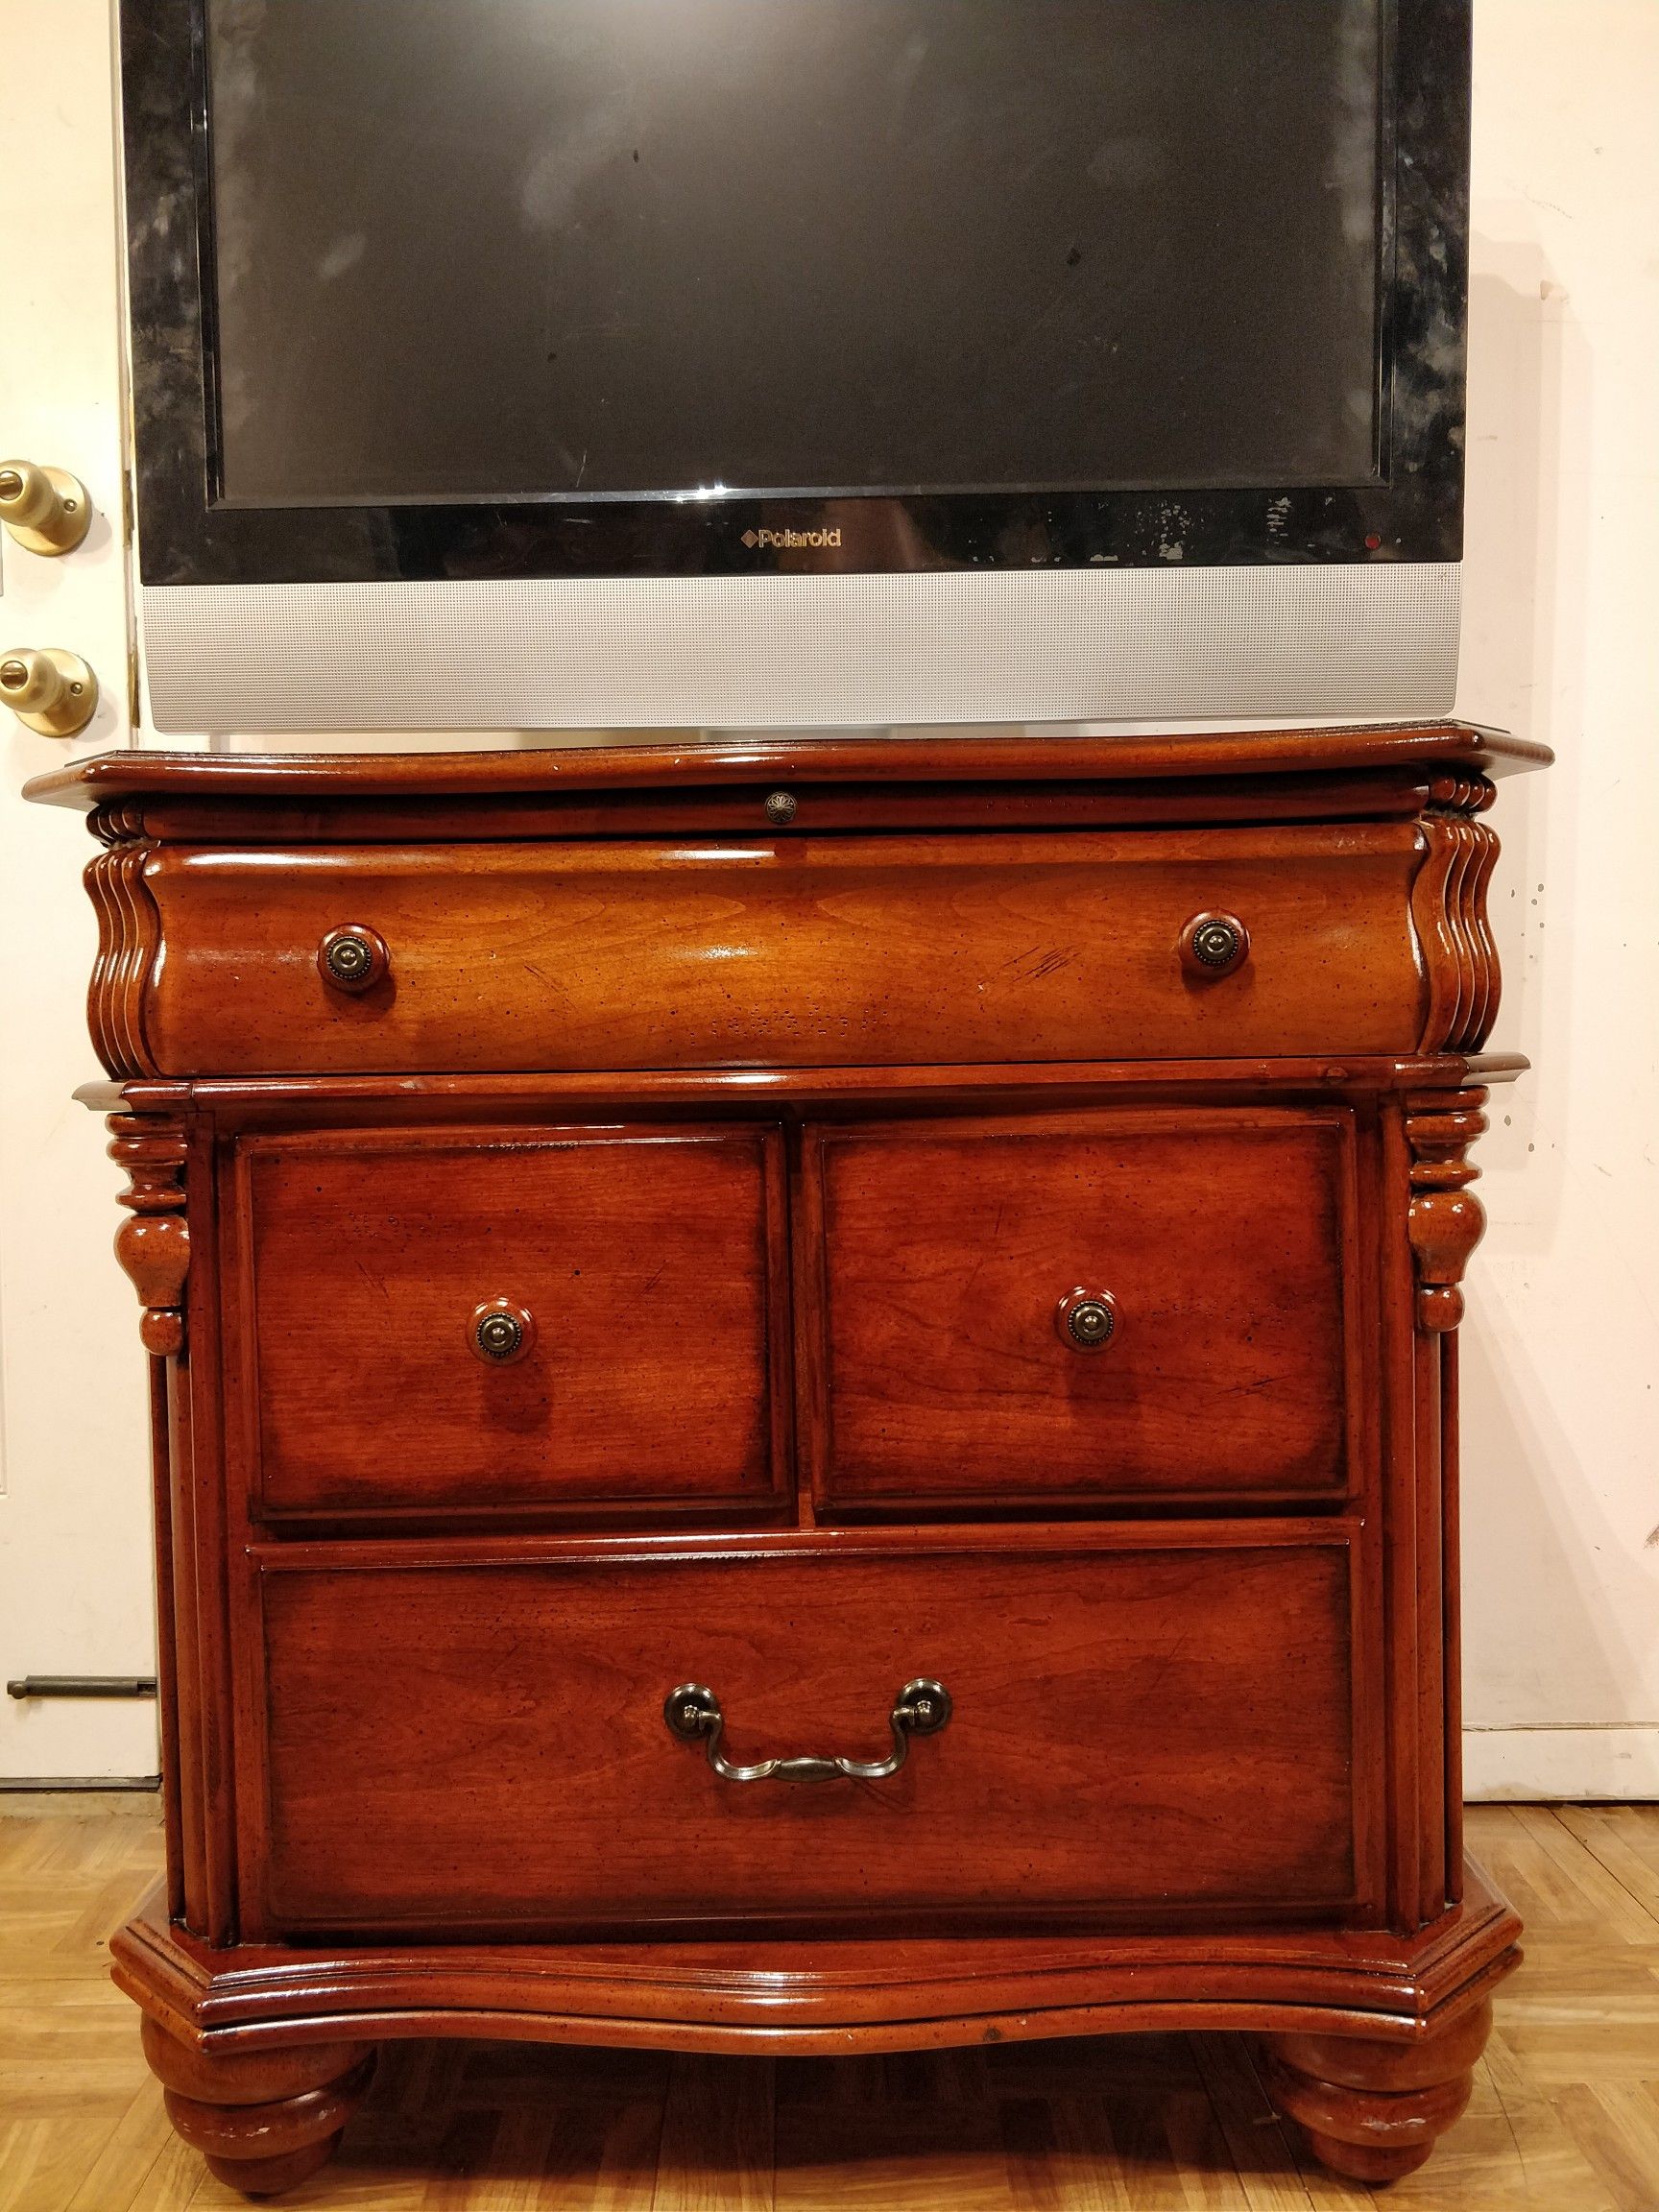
(1087, 1319)
(52, 691)
(354, 958)
(500, 1332)
(46, 510)
(1214, 945)
(781, 807)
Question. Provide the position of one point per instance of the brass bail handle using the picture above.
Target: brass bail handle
(49, 690)
(46, 510)
(695, 1715)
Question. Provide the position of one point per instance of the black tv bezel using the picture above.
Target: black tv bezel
(1412, 510)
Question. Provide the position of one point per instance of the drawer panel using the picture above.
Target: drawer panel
(644, 1270)
(1161, 1727)
(1223, 1245)
(794, 951)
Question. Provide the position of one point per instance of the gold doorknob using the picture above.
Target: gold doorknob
(46, 510)
(52, 691)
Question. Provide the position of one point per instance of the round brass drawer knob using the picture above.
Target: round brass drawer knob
(1087, 1320)
(781, 807)
(354, 958)
(500, 1332)
(1214, 945)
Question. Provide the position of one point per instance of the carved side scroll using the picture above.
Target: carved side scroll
(1447, 1220)
(1448, 912)
(116, 822)
(1461, 791)
(129, 939)
(154, 1246)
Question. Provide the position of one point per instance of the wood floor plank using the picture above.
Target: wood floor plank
(1547, 1900)
(1059, 2155)
(43, 2162)
(1608, 1904)
(880, 2160)
(141, 2165)
(1257, 2138)
(68, 2062)
(1625, 1843)
(627, 2172)
(1510, 2152)
(1565, 2116)
(1148, 2127)
(1616, 2126)
(716, 2152)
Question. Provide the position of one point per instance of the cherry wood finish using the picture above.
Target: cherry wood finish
(824, 1996)
(788, 948)
(782, 1163)
(264, 2121)
(1374, 2110)
(1230, 1247)
(651, 1267)
(534, 952)
(154, 1247)
(381, 1669)
(1192, 764)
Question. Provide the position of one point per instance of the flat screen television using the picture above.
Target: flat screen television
(731, 363)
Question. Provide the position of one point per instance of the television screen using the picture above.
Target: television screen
(510, 249)
(570, 364)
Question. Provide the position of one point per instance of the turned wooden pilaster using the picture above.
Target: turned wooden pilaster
(154, 1247)
(263, 2120)
(1447, 1220)
(1373, 2110)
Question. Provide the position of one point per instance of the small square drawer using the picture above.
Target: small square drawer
(1084, 1311)
(1126, 1723)
(482, 1321)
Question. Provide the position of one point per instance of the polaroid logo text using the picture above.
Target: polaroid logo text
(788, 540)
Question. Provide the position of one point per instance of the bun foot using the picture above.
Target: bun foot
(270, 2176)
(1373, 2111)
(263, 2120)
(1354, 2162)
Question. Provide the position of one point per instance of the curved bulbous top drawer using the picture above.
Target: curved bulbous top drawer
(844, 950)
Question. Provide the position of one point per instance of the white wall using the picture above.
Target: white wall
(1561, 1353)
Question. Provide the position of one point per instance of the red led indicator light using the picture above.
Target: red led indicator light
(1372, 542)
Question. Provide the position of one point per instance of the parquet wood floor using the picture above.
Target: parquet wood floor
(1565, 2115)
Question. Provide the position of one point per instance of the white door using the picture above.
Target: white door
(75, 1577)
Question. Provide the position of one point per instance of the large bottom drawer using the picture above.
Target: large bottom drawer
(1142, 1724)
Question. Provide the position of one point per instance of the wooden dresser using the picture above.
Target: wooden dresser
(806, 1401)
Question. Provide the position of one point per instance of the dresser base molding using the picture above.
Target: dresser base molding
(1371, 2038)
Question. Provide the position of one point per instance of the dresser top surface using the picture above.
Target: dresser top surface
(1425, 746)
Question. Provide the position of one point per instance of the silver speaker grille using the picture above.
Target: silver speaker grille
(1059, 645)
